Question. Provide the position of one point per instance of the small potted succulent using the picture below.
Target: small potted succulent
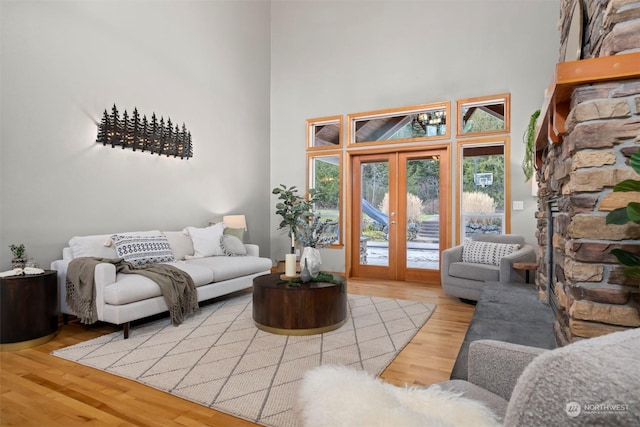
(19, 259)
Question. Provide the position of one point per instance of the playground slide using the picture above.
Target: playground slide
(378, 216)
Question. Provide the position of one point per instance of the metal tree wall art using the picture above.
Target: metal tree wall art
(145, 135)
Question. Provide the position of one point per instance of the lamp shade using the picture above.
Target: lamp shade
(235, 221)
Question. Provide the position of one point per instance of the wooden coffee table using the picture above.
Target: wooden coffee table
(307, 309)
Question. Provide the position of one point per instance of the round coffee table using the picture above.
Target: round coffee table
(307, 309)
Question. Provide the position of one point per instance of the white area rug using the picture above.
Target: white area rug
(219, 359)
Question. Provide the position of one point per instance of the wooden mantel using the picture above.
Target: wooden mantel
(550, 128)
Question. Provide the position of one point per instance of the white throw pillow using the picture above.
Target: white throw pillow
(232, 246)
(181, 244)
(206, 241)
(141, 250)
(91, 246)
(486, 252)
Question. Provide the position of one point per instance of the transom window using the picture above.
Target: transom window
(324, 133)
(483, 115)
(406, 124)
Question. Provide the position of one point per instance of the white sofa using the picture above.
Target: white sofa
(122, 298)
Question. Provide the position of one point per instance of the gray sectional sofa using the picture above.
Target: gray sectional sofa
(508, 312)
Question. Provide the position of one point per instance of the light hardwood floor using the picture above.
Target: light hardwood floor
(37, 389)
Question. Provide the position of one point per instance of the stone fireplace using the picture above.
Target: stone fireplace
(598, 129)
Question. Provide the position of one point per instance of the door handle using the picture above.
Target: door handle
(393, 223)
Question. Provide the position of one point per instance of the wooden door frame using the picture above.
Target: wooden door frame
(444, 151)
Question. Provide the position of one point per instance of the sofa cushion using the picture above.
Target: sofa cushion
(206, 241)
(130, 288)
(199, 274)
(225, 268)
(486, 252)
(510, 312)
(141, 250)
(592, 382)
(233, 246)
(472, 271)
(181, 244)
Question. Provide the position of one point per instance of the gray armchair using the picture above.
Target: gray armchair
(466, 280)
(592, 382)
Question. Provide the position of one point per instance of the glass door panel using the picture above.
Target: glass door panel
(422, 213)
(374, 221)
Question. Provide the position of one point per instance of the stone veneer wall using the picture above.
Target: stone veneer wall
(592, 295)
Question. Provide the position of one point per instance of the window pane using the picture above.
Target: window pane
(489, 114)
(483, 190)
(405, 124)
(418, 124)
(324, 132)
(325, 177)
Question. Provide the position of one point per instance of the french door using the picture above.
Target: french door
(399, 214)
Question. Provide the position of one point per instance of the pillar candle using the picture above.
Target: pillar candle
(290, 265)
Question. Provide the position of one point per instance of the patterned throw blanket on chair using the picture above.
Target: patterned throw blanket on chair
(177, 287)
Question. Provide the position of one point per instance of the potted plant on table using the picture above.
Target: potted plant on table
(18, 260)
(291, 207)
(314, 235)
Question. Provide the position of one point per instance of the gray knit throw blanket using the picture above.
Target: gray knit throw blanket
(177, 287)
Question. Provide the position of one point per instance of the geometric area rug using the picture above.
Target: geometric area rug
(219, 359)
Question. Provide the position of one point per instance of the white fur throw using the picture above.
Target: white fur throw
(334, 396)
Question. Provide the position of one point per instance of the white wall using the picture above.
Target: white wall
(344, 57)
(204, 63)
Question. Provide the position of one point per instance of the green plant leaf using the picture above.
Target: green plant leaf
(633, 212)
(621, 216)
(627, 185)
(528, 138)
(626, 258)
(632, 271)
(618, 216)
(635, 161)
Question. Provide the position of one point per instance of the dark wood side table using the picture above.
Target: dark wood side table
(29, 305)
(311, 308)
(526, 266)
